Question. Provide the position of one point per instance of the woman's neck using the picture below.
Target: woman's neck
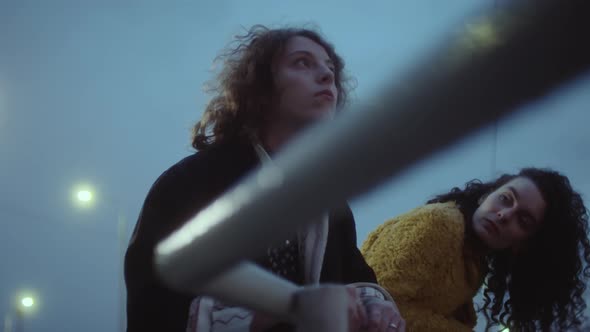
(278, 135)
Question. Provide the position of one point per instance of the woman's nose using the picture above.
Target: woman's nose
(503, 215)
(326, 76)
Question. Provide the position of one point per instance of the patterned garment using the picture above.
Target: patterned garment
(285, 260)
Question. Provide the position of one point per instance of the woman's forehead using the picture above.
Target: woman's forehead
(301, 44)
(522, 184)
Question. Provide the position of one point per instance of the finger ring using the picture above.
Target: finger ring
(392, 325)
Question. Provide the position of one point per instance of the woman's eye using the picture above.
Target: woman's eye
(504, 198)
(303, 62)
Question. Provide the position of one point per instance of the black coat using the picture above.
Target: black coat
(177, 195)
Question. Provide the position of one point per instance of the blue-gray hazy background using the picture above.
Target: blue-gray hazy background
(103, 94)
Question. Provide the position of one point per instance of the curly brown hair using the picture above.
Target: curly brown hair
(245, 88)
(545, 282)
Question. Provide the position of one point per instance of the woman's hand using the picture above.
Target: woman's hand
(373, 314)
(383, 316)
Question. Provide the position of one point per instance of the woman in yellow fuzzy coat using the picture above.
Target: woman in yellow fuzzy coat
(523, 237)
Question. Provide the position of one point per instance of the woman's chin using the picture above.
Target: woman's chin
(485, 237)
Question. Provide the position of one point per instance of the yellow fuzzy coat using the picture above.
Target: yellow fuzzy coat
(419, 258)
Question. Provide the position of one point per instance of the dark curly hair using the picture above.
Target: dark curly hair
(545, 282)
(245, 87)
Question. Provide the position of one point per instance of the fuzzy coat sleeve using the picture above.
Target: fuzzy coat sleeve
(413, 256)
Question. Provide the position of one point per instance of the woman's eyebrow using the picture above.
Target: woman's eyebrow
(514, 192)
(296, 52)
(308, 53)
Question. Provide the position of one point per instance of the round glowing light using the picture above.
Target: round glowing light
(84, 196)
(27, 301)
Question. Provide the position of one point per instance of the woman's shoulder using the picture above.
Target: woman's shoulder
(434, 213)
(431, 232)
(201, 167)
(430, 222)
(448, 212)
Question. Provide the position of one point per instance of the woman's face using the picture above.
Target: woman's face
(304, 81)
(508, 216)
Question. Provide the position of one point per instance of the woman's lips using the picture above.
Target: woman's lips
(491, 227)
(325, 94)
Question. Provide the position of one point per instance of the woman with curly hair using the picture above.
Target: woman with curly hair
(274, 84)
(523, 237)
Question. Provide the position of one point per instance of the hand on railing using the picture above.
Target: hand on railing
(372, 314)
(383, 316)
